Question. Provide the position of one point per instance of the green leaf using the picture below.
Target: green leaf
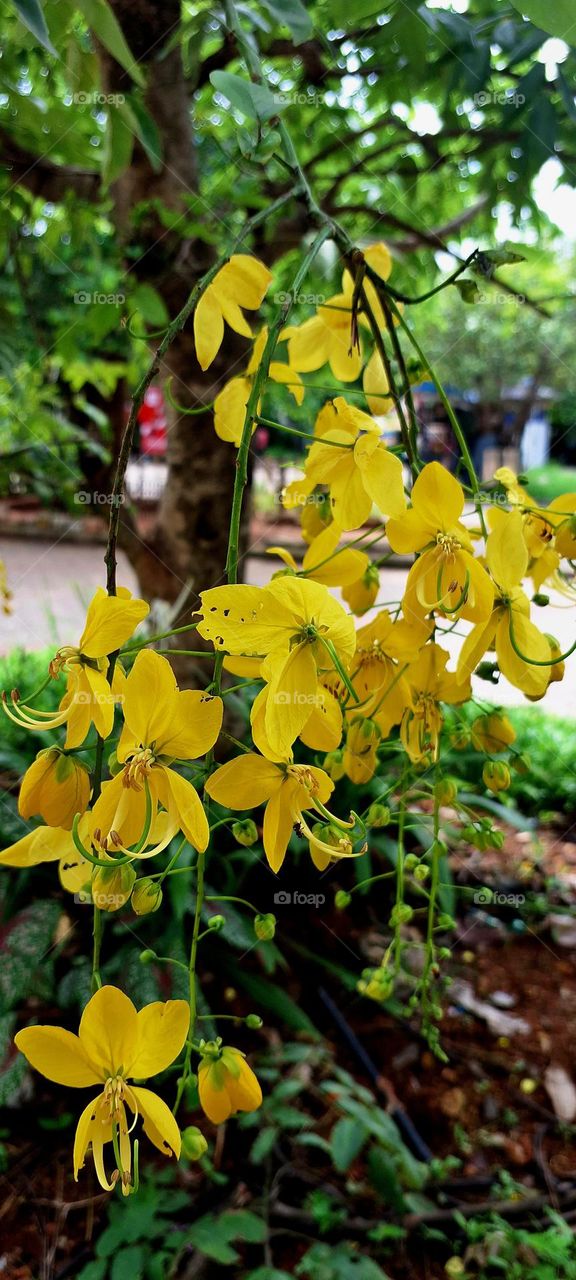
(346, 1142)
(558, 19)
(147, 133)
(254, 100)
(206, 1236)
(278, 1002)
(94, 1270)
(567, 94)
(291, 14)
(263, 1144)
(383, 1177)
(118, 144)
(128, 1264)
(242, 1224)
(468, 289)
(104, 24)
(31, 14)
(151, 306)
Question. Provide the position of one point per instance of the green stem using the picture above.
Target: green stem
(457, 429)
(192, 994)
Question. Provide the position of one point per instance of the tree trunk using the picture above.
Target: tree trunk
(188, 544)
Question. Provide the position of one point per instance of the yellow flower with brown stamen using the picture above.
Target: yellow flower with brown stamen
(114, 1044)
(89, 698)
(161, 724)
(446, 578)
(287, 790)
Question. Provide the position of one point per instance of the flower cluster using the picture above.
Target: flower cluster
(335, 701)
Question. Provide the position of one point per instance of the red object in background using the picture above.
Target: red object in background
(153, 424)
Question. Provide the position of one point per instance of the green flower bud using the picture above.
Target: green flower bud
(146, 896)
(446, 922)
(445, 791)
(496, 775)
(146, 957)
(245, 832)
(253, 1021)
(401, 914)
(411, 861)
(216, 923)
(112, 886)
(540, 599)
(421, 872)
(378, 815)
(342, 899)
(194, 1144)
(265, 927)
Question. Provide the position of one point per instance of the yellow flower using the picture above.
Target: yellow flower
(242, 282)
(375, 385)
(114, 1043)
(326, 338)
(430, 685)
(51, 844)
(226, 1084)
(509, 623)
(361, 594)
(355, 464)
(384, 649)
(110, 621)
(322, 728)
(325, 562)
(299, 631)
(445, 578)
(55, 787)
(562, 514)
(230, 403)
(161, 724)
(492, 733)
(360, 756)
(287, 790)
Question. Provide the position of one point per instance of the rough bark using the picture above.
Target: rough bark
(188, 543)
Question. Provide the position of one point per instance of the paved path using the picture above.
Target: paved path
(52, 585)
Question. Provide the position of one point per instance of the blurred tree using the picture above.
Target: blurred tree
(131, 157)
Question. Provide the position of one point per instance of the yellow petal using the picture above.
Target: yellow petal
(236, 618)
(382, 475)
(437, 497)
(45, 844)
(159, 1123)
(150, 701)
(309, 345)
(208, 328)
(334, 568)
(108, 1031)
(244, 278)
(184, 805)
(247, 781)
(93, 1127)
(506, 551)
(323, 728)
(244, 1089)
(230, 410)
(278, 823)
(59, 1055)
(162, 1030)
(291, 698)
(284, 374)
(532, 680)
(375, 384)
(110, 621)
(196, 728)
(475, 645)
